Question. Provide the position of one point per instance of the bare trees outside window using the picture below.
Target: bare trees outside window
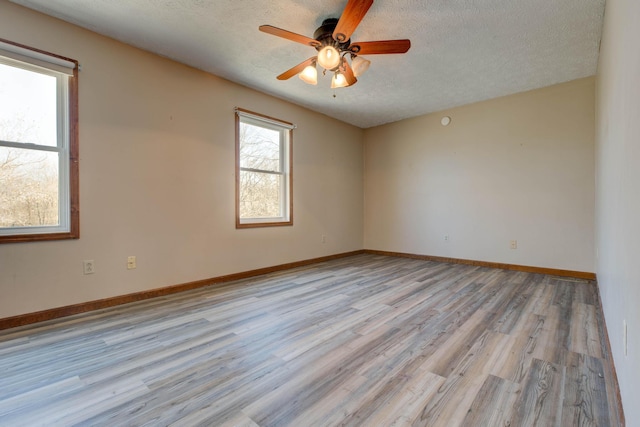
(29, 192)
(263, 170)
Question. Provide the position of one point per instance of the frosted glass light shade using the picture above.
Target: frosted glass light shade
(309, 75)
(338, 80)
(359, 65)
(328, 57)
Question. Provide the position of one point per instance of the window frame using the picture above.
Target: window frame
(286, 162)
(67, 141)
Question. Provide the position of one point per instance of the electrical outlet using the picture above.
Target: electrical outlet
(514, 244)
(88, 266)
(625, 342)
(131, 262)
(323, 239)
(446, 237)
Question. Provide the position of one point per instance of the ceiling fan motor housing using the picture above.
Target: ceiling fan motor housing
(324, 34)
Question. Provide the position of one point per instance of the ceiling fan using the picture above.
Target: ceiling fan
(332, 40)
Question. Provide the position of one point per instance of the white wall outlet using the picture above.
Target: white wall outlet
(446, 237)
(625, 342)
(131, 262)
(514, 244)
(88, 266)
(323, 239)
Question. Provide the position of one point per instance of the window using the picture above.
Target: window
(38, 145)
(263, 171)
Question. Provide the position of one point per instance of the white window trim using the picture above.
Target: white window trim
(42, 60)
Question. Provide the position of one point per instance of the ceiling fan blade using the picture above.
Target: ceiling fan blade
(297, 69)
(348, 73)
(380, 47)
(351, 17)
(298, 38)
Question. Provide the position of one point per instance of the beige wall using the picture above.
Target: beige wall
(157, 178)
(618, 192)
(519, 168)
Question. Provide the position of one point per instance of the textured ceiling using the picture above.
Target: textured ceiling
(462, 51)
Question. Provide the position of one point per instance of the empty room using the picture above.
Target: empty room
(337, 213)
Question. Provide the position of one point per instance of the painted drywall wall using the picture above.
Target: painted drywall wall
(518, 168)
(618, 192)
(157, 178)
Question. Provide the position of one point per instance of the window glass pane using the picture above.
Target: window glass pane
(259, 148)
(29, 190)
(260, 195)
(27, 106)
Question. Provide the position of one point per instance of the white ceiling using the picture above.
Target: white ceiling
(462, 51)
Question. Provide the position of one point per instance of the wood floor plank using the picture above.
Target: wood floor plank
(448, 356)
(542, 297)
(540, 403)
(71, 407)
(585, 337)
(512, 310)
(366, 340)
(522, 350)
(494, 403)
(22, 402)
(457, 393)
(585, 402)
(339, 401)
(403, 408)
(552, 345)
(240, 420)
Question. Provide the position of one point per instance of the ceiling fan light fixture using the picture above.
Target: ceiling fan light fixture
(332, 41)
(309, 75)
(338, 80)
(329, 57)
(359, 65)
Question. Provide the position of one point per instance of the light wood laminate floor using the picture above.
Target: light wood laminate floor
(366, 340)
